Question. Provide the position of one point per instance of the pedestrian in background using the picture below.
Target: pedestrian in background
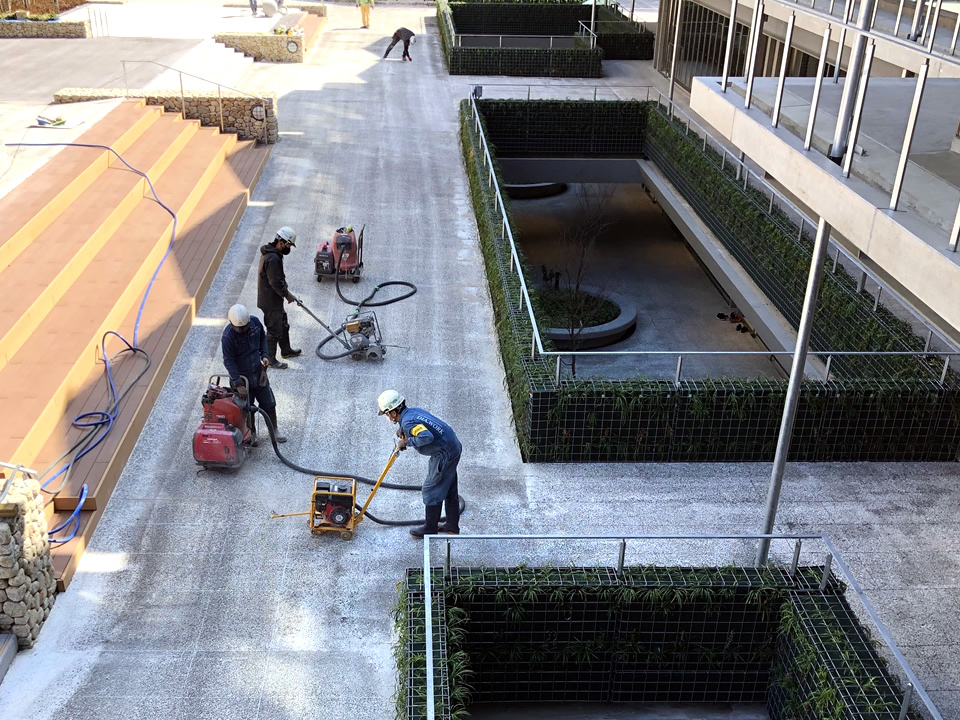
(365, 6)
(407, 36)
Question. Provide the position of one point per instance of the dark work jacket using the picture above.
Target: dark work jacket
(271, 282)
(403, 34)
(242, 352)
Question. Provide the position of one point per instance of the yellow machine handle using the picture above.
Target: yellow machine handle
(274, 516)
(363, 510)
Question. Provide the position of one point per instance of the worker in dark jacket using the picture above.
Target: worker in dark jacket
(407, 36)
(244, 346)
(434, 438)
(272, 290)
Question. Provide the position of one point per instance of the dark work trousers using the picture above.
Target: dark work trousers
(406, 47)
(278, 332)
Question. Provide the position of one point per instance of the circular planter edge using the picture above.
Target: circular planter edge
(599, 335)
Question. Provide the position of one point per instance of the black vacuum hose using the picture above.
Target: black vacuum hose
(366, 302)
(366, 481)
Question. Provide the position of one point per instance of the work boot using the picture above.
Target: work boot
(290, 353)
(451, 524)
(432, 513)
(277, 435)
(278, 364)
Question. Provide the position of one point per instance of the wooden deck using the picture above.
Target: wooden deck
(95, 251)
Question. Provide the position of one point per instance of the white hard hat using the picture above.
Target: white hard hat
(389, 400)
(239, 316)
(287, 234)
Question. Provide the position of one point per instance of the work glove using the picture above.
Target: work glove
(399, 432)
(242, 392)
(402, 443)
(291, 298)
(265, 362)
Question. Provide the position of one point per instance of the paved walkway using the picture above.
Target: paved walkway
(191, 603)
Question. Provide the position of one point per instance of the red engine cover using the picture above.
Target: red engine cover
(215, 445)
(224, 410)
(350, 255)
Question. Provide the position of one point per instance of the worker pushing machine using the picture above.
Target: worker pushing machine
(244, 346)
(432, 437)
(272, 290)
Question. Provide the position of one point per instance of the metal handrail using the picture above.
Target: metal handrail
(925, 45)
(742, 171)
(183, 102)
(8, 482)
(585, 30)
(914, 686)
(459, 37)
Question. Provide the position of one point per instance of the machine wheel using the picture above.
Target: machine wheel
(319, 278)
(356, 279)
(346, 535)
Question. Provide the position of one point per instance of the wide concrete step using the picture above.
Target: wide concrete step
(40, 199)
(38, 383)
(179, 289)
(58, 255)
(204, 67)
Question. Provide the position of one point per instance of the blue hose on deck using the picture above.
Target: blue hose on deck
(101, 422)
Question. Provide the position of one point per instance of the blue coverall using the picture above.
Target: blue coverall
(242, 353)
(434, 438)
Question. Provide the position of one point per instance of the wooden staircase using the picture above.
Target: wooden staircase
(80, 241)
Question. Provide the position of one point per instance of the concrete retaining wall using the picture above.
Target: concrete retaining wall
(32, 29)
(27, 579)
(202, 105)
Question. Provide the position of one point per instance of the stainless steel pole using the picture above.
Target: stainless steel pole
(858, 110)
(933, 27)
(787, 41)
(593, 17)
(793, 387)
(729, 51)
(815, 102)
(676, 47)
(752, 59)
(908, 135)
(896, 25)
(840, 44)
(915, 25)
(842, 132)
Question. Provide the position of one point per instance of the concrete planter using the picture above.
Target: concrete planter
(599, 335)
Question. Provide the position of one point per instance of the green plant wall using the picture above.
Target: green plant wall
(642, 634)
(889, 410)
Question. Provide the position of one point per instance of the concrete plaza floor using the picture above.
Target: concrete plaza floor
(191, 603)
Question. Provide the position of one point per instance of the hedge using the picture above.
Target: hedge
(892, 410)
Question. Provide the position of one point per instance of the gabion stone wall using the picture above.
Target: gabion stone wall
(36, 29)
(27, 580)
(202, 105)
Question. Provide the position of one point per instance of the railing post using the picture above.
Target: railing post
(126, 86)
(183, 101)
(908, 693)
(858, 110)
(796, 558)
(933, 29)
(826, 374)
(840, 42)
(220, 104)
(793, 387)
(557, 377)
(446, 560)
(876, 301)
(827, 562)
(815, 102)
(896, 25)
(533, 344)
(428, 619)
(953, 42)
(915, 25)
(623, 555)
(908, 136)
(752, 59)
(946, 369)
(676, 48)
(729, 51)
(955, 233)
(676, 378)
(787, 41)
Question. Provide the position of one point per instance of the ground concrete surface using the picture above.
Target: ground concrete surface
(191, 603)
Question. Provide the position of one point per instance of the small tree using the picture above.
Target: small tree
(573, 306)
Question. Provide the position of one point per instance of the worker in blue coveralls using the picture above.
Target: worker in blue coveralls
(244, 346)
(434, 438)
